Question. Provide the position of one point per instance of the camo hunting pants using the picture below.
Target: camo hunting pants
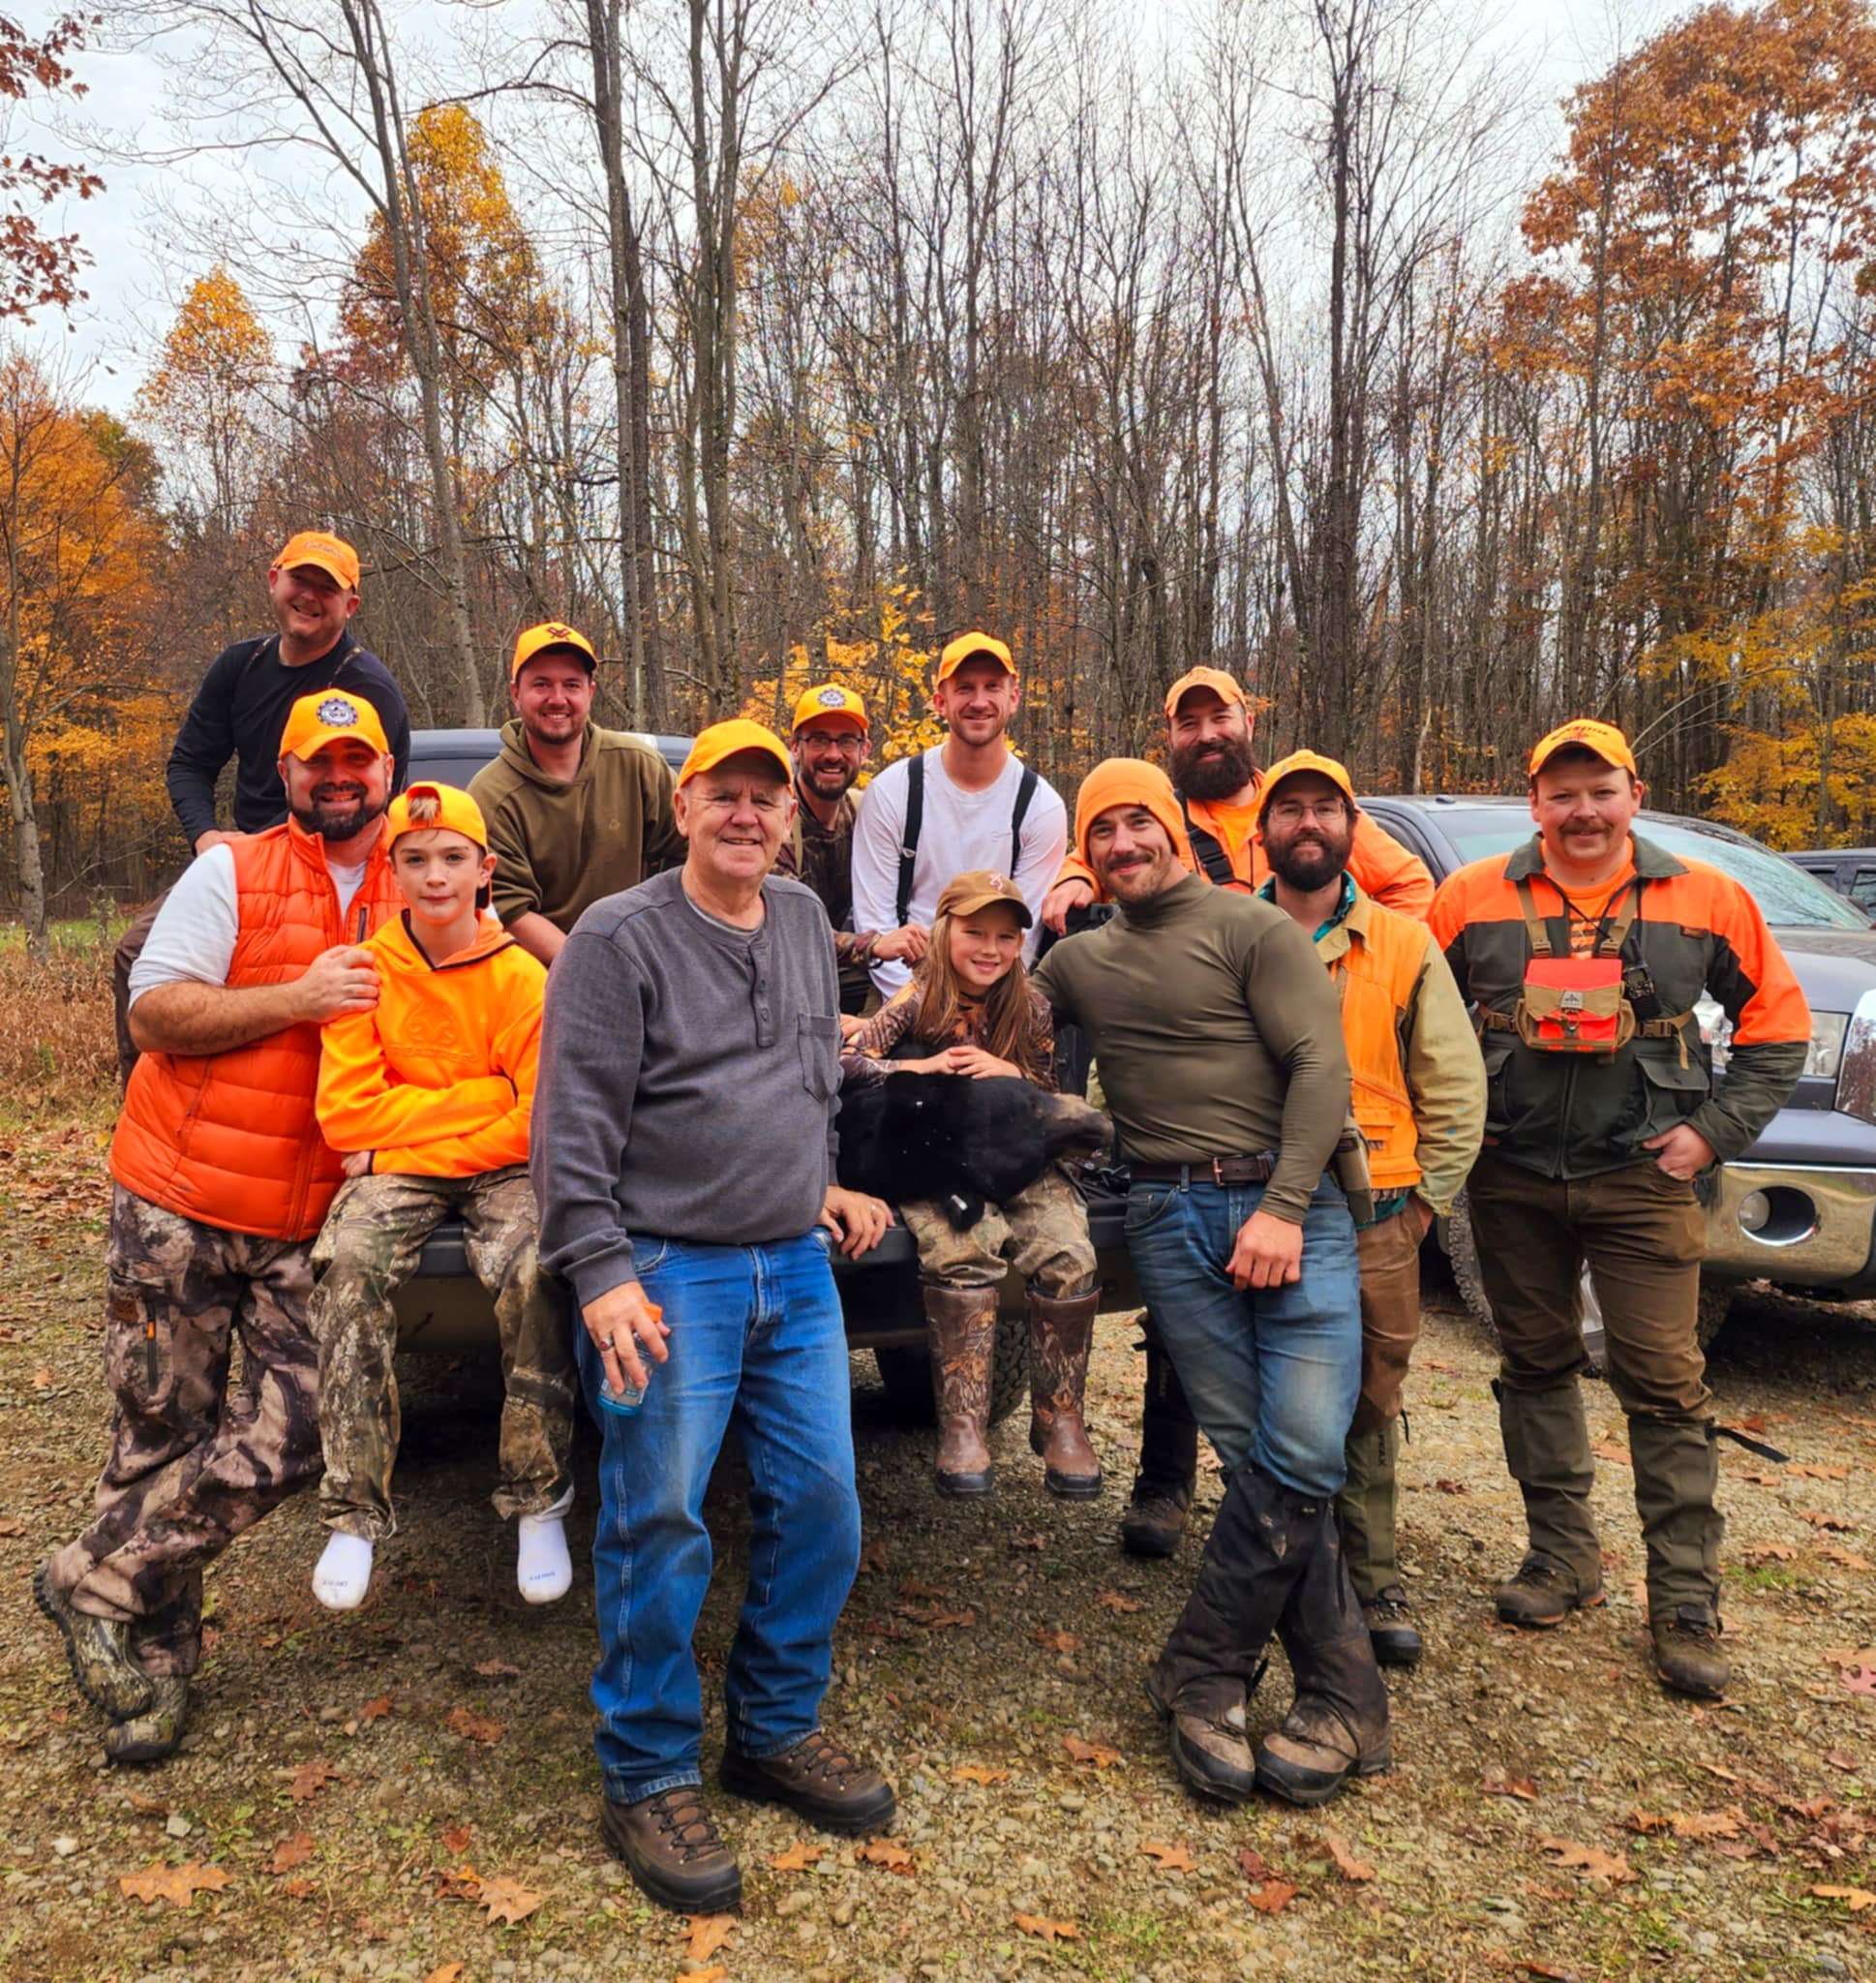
(1043, 1232)
(366, 1250)
(192, 1463)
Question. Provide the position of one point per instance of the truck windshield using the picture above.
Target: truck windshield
(1785, 893)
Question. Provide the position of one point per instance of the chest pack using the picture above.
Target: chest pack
(1585, 1004)
(915, 819)
(1208, 850)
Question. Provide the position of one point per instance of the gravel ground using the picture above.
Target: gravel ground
(365, 1796)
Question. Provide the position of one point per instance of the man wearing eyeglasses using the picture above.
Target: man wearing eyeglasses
(828, 746)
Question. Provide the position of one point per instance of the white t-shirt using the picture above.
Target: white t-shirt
(960, 831)
(193, 937)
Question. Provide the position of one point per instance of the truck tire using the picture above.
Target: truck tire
(906, 1374)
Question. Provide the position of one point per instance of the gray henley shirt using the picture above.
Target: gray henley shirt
(689, 1076)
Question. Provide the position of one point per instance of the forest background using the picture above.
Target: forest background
(769, 339)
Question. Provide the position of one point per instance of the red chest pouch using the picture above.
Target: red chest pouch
(1575, 1005)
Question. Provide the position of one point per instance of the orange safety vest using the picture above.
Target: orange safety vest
(230, 1138)
(1376, 979)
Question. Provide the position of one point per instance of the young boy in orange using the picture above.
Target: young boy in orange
(429, 1095)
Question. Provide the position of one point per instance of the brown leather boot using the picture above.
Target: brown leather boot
(963, 1324)
(1060, 1334)
(672, 1849)
(1160, 1502)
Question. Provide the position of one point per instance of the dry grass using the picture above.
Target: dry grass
(58, 1053)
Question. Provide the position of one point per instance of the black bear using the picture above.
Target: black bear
(958, 1141)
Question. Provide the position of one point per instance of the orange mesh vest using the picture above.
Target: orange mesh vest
(230, 1138)
(1376, 979)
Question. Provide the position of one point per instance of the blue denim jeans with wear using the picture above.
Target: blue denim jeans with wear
(756, 1340)
(1272, 1373)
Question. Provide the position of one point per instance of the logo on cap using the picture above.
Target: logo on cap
(337, 713)
(832, 698)
(997, 881)
(556, 631)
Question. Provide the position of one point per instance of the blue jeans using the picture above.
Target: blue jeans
(756, 1337)
(1272, 1373)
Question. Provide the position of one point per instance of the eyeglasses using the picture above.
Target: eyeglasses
(1292, 812)
(839, 740)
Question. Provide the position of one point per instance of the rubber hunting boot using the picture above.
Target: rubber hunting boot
(963, 1325)
(97, 1652)
(1060, 1334)
(1547, 1450)
(1677, 1481)
(1160, 1502)
(152, 1735)
(1368, 1506)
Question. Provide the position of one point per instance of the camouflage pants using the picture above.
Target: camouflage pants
(366, 1250)
(191, 1464)
(1043, 1232)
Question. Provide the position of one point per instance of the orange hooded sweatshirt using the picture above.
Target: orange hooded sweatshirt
(437, 1079)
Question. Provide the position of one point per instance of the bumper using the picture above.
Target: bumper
(1815, 1226)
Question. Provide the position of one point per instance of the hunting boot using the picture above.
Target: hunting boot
(1338, 1724)
(963, 1322)
(152, 1735)
(1547, 1450)
(1162, 1499)
(1060, 1335)
(1255, 1556)
(1677, 1481)
(1367, 1506)
(97, 1652)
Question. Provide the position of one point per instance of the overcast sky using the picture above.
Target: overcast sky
(138, 276)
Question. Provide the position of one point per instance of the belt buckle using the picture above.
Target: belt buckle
(1218, 1173)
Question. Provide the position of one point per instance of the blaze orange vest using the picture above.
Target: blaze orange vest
(230, 1138)
(1376, 979)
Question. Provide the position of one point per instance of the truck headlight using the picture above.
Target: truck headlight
(1856, 1060)
(1828, 1029)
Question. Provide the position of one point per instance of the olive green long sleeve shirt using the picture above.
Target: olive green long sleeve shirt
(1217, 1031)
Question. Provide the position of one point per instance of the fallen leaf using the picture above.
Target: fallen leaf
(1057, 1641)
(1433, 1363)
(1046, 1930)
(1525, 1787)
(1858, 1656)
(715, 1973)
(1805, 1472)
(705, 1934)
(10, 1529)
(885, 1627)
(1818, 1520)
(1599, 1865)
(1544, 1970)
(456, 1839)
(1713, 1769)
(1171, 1858)
(1707, 1824)
(911, 1587)
(42, 1380)
(978, 1773)
(309, 1779)
(474, 1727)
(1855, 1898)
(1838, 1760)
(895, 1854)
(375, 1711)
(873, 1556)
(1608, 1450)
(496, 1669)
(1037, 1542)
(177, 1884)
(292, 1852)
(1770, 1552)
(1346, 1862)
(799, 1857)
(939, 1621)
(1646, 1822)
(150, 1806)
(462, 1884)
(1114, 1601)
(507, 1900)
(1102, 1758)
(1273, 1896)
(1452, 1487)
(1253, 1862)
(446, 1972)
(1864, 1682)
(299, 1889)
(1846, 1559)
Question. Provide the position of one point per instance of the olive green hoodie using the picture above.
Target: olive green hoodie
(559, 848)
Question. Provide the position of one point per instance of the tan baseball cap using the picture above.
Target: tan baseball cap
(965, 893)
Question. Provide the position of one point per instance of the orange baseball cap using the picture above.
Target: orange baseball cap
(534, 640)
(331, 715)
(1227, 688)
(1328, 768)
(967, 647)
(1604, 739)
(725, 740)
(325, 553)
(455, 811)
(827, 705)
(965, 893)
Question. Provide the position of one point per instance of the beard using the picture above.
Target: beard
(1310, 860)
(834, 783)
(1219, 768)
(336, 820)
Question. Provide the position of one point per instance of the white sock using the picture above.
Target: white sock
(344, 1573)
(543, 1570)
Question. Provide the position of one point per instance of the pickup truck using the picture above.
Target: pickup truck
(442, 1307)
(1799, 1208)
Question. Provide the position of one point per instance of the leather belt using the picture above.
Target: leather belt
(1242, 1169)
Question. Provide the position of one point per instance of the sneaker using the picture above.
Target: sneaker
(672, 1849)
(1391, 1631)
(98, 1651)
(150, 1736)
(818, 1778)
(1544, 1593)
(1687, 1654)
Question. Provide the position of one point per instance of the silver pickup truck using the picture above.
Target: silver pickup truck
(442, 1307)
(1799, 1208)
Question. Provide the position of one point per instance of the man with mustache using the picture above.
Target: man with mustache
(1218, 786)
(1419, 1098)
(220, 1181)
(1584, 952)
(574, 813)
